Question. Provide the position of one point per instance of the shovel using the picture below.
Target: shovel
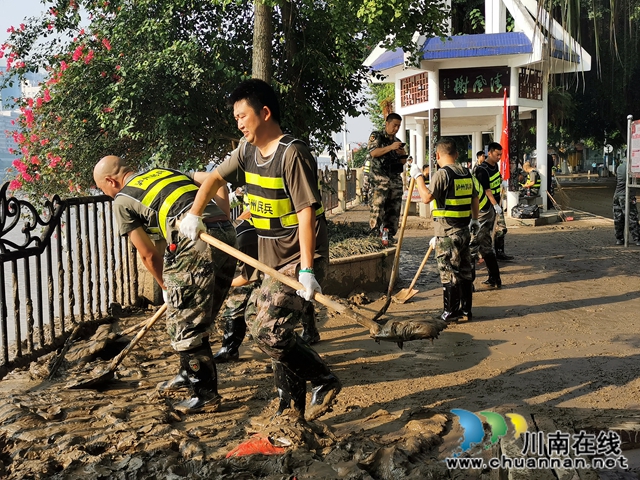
(105, 376)
(561, 214)
(406, 293)
(396, 260)
(397, 331)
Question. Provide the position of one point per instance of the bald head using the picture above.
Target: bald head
(110, 174)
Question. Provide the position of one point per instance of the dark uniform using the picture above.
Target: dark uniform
(277, 188)
(482, 242)
(534, 190)
(385, 185)
(453, 189)
(619, 196)
(494, 181)
(196, 275)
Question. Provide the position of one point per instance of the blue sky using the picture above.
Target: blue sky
(13, 12)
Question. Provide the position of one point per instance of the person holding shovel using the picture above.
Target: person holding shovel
(287, 212)
(194, 277)
(455, 213)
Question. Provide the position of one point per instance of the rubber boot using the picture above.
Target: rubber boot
(466, 300)
(307, 365)
(494, 279)
(178, 382)
(234, 332)
(499, 244)
(292, 390)
(310, 332)
(203, 378)
(451, 301)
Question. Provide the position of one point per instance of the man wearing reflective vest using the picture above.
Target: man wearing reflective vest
(286, 207)
(455, 198)
(482, 242)
(488, 174)
(194, 277)
(532, 184)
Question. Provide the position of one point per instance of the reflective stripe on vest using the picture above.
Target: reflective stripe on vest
(271, 207)
(457, 202)
(482, 197)
(495, 182)
(167, 192)
(535, 185)
(367, 166)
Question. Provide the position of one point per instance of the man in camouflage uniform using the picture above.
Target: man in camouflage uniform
(286, 207)
(455, 213)
(194, 277)
(387, 156)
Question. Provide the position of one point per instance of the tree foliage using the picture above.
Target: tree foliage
(148, 79)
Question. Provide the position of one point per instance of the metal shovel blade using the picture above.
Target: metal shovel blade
(405, 294)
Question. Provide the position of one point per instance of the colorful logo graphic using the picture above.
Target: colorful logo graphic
(474, 434)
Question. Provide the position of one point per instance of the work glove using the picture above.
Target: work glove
(474, 226)
(191, 226)
(415, 171)
(310, 284)
(432, 243)
(498, 209)
(165, 296)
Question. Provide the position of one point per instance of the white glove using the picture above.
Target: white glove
(498, 209)
(415, 171)
(165, 296)
(308, 280)
(191, 226)
(432, 242)
(474, 226)
(505, 184)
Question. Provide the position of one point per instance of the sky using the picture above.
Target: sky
(13, 12)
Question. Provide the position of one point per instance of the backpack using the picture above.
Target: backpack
(525, 211)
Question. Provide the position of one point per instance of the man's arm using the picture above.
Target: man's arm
(222, 200)
(425, 194)
(151, 258)
(209, 188)
(307, 236)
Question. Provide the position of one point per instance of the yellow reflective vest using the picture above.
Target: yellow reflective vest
(457, 201)
(271, 208)
(168, 192)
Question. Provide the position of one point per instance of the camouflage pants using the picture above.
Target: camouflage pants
(237, 302)
(501, 226)
(454, 257)
(386, 202)
(198, 278)
(618, 218)
(275, 309)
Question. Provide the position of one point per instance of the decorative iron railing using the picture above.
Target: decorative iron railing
(59, 267)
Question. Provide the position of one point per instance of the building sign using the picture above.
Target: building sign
(635, 147)
(414, 90)
(465, 83)
(530, 84)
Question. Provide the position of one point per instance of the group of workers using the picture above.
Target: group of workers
(280, 175)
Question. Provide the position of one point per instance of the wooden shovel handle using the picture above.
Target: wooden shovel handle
(424, 262)
(291, 282)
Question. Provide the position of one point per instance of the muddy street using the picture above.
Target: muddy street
(558, 345)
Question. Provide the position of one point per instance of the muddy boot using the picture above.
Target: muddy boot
(494, 279)
(203, 379)
(234, 331)
(466, 300)
(451, 301)
(178, 382)
(500, 255)
(292, 391)
(310, 332)
(307, 365)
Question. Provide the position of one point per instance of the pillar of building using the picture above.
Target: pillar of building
(542, 119)
(421, 155)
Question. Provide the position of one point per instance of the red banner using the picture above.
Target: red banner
(504, 141)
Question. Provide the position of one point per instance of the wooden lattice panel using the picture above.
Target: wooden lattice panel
(414, 90)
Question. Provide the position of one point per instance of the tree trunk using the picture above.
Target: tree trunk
(262, 38)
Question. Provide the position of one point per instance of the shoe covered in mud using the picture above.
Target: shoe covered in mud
(503, 256)
(203, 379)
(226, 355)
(492, 282)
(323, 397)
(619, 242)
(178, 382)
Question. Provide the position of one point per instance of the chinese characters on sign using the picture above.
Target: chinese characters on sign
(464, 83)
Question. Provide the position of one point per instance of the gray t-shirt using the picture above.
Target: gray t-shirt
(621, 181)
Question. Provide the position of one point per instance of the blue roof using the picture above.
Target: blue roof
(462, 46)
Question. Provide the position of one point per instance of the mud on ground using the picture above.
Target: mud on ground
(557, 344)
